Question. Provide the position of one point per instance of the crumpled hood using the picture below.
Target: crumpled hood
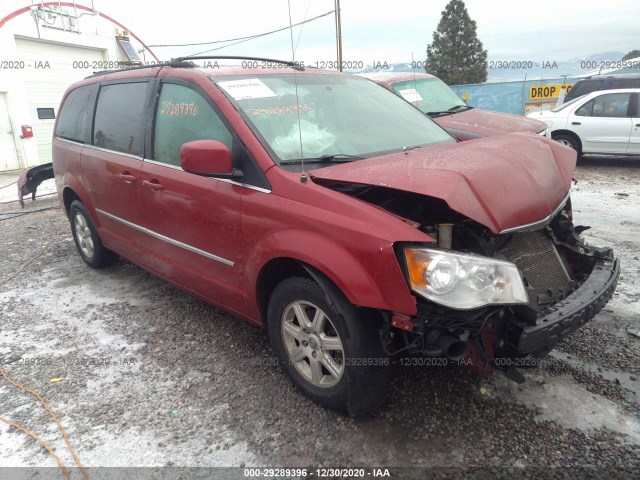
(503, 181)
(486, 123)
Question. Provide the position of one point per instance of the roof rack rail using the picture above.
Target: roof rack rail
(186, 62)
(294, 65)
(171, 63)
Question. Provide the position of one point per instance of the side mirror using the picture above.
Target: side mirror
(209, 158)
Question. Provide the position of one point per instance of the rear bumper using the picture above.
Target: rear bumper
(566, 316)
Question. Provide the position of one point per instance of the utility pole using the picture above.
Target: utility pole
(338, 36)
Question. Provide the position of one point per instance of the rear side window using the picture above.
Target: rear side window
(120, 118)
(183, 115)
(74, 120)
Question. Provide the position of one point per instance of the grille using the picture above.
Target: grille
(536, 257)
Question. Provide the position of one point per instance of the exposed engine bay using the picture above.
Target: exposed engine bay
(553, 262)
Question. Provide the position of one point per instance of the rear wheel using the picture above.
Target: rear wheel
(85, 236)
(569, 141)
(329, 348)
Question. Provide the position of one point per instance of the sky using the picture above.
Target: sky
(380, 31)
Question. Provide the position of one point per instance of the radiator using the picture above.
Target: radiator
(540, 265)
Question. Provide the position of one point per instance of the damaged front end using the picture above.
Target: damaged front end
(519, 292)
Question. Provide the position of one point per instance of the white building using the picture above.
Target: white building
(44, 48)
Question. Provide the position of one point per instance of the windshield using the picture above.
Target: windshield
(429, 94)
(341, 118)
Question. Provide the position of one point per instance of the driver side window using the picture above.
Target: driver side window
(585, 110)
(183, 115)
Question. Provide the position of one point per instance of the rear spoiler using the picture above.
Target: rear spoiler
(31, 178)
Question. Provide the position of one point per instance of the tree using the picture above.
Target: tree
(631, 54)
(456, 55)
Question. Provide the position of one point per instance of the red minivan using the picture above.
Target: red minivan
(332, 213)
(433, 97)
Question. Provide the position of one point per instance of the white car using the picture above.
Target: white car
(602, 122)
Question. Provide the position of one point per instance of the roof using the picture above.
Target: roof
(393, 77)
(216, 72)
(231, 70)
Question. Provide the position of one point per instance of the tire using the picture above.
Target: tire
(569, 141)
(337, 360)
(86, 238)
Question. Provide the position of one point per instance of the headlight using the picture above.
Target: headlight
(544, 133)
(463, 281)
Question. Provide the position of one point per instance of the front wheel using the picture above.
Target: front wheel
(330, 349)
(569, 141)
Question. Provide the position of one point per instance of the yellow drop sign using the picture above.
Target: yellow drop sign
(543, 92)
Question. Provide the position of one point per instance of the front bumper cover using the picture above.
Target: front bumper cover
(566, 316)
(30, 179)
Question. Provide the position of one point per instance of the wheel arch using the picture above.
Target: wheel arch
(272, 273)
(568, 133)
(290, 253)
(68, 196)
(72, 189)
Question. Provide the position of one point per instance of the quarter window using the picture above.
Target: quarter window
(74, 119)
(182, 116)
(120, 119)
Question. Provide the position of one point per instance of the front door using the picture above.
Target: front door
(603, 124)
(192, 222)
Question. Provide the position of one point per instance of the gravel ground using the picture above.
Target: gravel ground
(147, 375)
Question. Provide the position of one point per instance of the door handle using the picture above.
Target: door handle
(153, 185)
(637, 124)
(576, 123)
(127, 177)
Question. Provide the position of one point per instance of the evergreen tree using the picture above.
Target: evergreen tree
(456, 55)
(631, 54)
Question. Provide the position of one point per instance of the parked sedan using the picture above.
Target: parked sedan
(436, 99)
(602, 122)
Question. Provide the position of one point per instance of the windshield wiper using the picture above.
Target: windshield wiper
(337, 157)
(453, 109)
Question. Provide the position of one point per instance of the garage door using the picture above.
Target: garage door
(46, 86)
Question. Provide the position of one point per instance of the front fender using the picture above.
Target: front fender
(380, 286)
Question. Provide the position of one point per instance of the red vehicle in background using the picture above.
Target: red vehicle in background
(436, 99)
(332, 213)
